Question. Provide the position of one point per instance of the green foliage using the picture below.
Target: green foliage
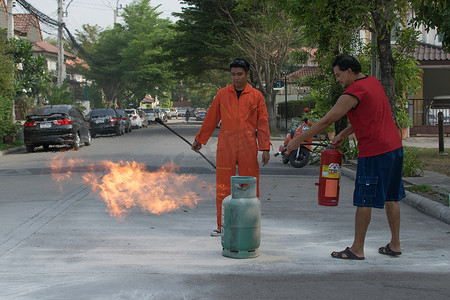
(130, 59)
(349, 149)
(61, 95)
(15, 144)
(412, 167)
(420, 188)
(434, 14)
(31, 76)
(328, 24)
(407, 74)
(203, 40)
(6, 91)
(6, 70)
(7, 126)
(95, 96)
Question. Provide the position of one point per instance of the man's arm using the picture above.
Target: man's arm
(210, 122)
(342, 106)
(340, 138)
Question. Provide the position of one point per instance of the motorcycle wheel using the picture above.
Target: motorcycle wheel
(302, 159)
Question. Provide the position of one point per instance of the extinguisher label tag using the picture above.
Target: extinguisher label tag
(331, 171)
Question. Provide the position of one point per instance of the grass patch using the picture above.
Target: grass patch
(423, 188)
(431, 160)
(440, 196)
(12, 145)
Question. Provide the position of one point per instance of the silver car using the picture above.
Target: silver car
(151, 114)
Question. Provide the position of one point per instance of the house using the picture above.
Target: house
(26, 26)
(423, 108)
(50, 53)
(434, 95)
(3, 15)
(149, 102)
(293, 90)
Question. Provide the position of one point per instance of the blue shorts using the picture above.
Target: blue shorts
(379, 179)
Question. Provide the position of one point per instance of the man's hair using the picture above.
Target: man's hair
(240, 63)
(345, 62)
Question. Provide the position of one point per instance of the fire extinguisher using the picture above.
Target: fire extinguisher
(330, 173)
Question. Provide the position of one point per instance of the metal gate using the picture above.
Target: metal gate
(424, 114)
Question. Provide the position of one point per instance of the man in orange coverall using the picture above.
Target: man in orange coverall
(243, 113)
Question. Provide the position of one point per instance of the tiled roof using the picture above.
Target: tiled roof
(303, 72)
(3, 7)
(24, 22)
(74, 62)
(46, 48)
(148, 99)
(428, 54)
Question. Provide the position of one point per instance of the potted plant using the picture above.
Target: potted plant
(10, 130)
(331, 132)
(403, 121)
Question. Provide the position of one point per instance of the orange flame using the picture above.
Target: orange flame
(127, 185)
(62, 169)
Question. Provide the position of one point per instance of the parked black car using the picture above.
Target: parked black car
(56, 125)
(105, 121)
(125, 118)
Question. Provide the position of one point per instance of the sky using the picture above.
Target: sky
(92, 12)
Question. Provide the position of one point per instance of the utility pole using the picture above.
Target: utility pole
(116, 11)
(10, 33)
(61, 64)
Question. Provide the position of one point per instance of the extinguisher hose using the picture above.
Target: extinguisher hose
(159, 121)
(282, 152)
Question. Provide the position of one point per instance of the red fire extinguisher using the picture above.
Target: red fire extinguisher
(330, 173)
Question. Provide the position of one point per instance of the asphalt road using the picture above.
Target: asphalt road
(58, 242)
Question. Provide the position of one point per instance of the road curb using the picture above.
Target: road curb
(423, 204)
(12, 150)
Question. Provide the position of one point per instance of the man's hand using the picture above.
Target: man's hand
(337, 141)
(265, 157)
(294, 143)
(196, 146)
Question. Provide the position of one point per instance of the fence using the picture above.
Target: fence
(424, 114)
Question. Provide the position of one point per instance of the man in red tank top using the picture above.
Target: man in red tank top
(379, 181)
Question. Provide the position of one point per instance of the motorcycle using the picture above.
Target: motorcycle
(300, 157)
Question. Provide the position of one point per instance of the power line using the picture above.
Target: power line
(39, 15)
(52, 22)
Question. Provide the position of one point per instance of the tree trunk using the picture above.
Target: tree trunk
(341, 124)
(383, 17)
(271, 110)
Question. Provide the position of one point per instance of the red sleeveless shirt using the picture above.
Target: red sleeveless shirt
(372, 119)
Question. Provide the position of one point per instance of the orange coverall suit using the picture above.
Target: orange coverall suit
(237, 141)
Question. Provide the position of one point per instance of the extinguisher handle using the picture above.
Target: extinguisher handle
(315, 144)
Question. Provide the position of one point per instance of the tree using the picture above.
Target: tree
(108, 68)
(129, 60)
(266, 37)
(6, 89)
(331, 26)
(215, 32)
(87, 37)
(346, 18)
(203, 42)
(31, 77)
(150, 71)
(434, 14)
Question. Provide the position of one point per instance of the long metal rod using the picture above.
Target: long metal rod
(158, 120)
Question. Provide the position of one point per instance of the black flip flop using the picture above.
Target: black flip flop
(348, 255)
(388, 251)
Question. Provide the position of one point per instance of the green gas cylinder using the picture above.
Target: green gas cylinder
(241, 219)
